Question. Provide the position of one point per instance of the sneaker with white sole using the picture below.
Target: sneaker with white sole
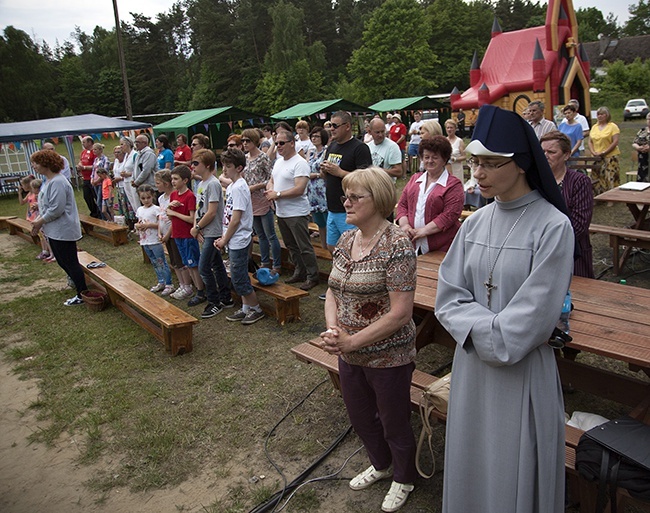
(238, 316)
(182, 293)
(167, 290)
(210, 311)
(252, 317)
(77, 300)
(197, 300)
(370, 476)
(228, 303)
(396, 496)
(157, 287)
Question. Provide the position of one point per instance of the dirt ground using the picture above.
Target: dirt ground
(35, 479)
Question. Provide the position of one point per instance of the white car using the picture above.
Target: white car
(637, 108)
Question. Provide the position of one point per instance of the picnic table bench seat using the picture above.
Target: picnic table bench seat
(3, 222)
(165, 321)
(584, 163)
(22, 228)
(111, 232)
(622, 237)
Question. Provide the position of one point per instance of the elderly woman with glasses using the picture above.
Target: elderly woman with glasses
(368, 310)
(429, 208)
(500, 292)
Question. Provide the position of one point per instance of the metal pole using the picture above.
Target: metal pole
(120, 51)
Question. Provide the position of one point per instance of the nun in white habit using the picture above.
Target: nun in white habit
(500, 293)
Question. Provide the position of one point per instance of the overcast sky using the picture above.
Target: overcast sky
(50, 21)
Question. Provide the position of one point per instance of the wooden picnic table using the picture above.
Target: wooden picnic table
(609, 320)
(638, 203)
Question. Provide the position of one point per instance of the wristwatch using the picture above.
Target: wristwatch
(278, 194)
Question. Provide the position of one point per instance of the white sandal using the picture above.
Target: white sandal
(396, 496)
(370, 476)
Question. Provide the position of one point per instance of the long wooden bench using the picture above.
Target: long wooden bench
(22, 228)
(115, 233)
(165, 321)
(622, 237)
(584, 163)
(286, 300)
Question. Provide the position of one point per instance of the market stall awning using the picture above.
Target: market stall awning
(72, 125)
(413, 103)
(207, 117)
(303, 110)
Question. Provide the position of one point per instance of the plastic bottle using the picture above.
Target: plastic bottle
(563, 323)
(623, 282)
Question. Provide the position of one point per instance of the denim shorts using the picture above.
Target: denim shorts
(336, 226)
(239, 277)
(189, 250)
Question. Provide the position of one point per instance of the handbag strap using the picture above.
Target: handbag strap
(602, 483)
(613, 485)
(427, 433)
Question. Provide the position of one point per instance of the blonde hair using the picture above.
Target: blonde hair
(432, 127)
(451, 122)
(378, 183)
(164, 175)
(36, 183)
(302, 124)
(98, 146)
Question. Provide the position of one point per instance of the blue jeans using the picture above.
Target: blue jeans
(241, 281)
(213, 273)
(156, 254)
(264, 227)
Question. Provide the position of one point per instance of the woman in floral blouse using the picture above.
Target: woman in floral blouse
(368, 310)
(257, 173)
(316, 186)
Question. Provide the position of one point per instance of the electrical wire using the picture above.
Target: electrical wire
(272, 503)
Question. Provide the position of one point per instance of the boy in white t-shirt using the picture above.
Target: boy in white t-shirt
(147, 226)
(238, 236)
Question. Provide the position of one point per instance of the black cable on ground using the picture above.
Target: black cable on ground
(277, 497)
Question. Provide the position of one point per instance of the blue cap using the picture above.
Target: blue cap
(266, 277)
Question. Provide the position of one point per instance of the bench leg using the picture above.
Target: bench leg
(178, 340)
(287, 311)
(614, 243)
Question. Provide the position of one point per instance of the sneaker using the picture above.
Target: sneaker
(181, 293)
(49, 259)
(42, 255)
(210, 311)
(396, 496)
(252, 317)
(309, 284)
(157, 287)
(323, 297)
(197, 300)
(77, 300)
(238, 316)
(228, 303)
(370, 476)
(167, 290)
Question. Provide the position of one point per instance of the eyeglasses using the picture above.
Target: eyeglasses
(281, 143)
(314, 136)
(245, 140)
(354, 198)
(335, 125)
(194, 163)
(195, 144)
(488, 166)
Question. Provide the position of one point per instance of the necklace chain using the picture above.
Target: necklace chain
(491, 265)
(362, 249)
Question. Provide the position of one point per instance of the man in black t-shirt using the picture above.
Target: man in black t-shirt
(344, 155)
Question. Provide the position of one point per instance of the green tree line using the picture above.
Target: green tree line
(265, 56)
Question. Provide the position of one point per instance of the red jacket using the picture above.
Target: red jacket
(444, 206)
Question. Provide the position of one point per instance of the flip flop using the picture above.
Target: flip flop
(95, 265)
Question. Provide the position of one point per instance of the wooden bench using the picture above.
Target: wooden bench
(22, 228)
(584, 164)
(622, 237)
(117, 234)
(165, 321)
(286, 300)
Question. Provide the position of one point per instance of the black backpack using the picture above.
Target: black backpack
(616, 453)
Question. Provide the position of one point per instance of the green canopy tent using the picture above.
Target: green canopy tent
(216, 123)
(406, 106)
(324, 107)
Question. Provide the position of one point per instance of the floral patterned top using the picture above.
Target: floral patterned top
(258, 170)
(361, 288)
(316, 186)
(100, 162)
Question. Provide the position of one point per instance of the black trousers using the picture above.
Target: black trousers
(65, 252)
(90, 198)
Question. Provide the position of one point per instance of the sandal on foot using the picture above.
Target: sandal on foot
(396, 496)
(370, 476)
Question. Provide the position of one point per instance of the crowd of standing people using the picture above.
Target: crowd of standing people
(500, 289)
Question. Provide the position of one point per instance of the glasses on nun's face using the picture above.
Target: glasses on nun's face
(487, 166)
